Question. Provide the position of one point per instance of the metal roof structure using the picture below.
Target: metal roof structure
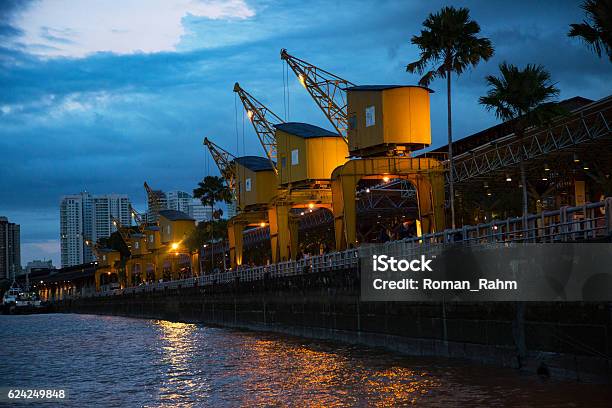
(305, 130)
(383, 87)
(174, 215)
(254, 163)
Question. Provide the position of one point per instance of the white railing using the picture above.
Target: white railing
(587, 222)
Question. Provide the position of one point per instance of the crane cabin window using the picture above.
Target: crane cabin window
(248, 184)
(295, 157)
(370, 116)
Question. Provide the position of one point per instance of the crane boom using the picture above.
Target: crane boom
(95, 247)
(138, 219)
(124, 235)
(263, 121)
(225, 163)
(327, 90)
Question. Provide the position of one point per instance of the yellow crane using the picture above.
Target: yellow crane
(263, 120)
(303, 157)
(382, 124)
(327, 90)
(225, 163)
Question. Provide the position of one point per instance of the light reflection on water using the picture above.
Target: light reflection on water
(114, 361)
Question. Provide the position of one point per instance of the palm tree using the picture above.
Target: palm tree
(524, 98)
(449, 42)
(210, 190)
(596, 30)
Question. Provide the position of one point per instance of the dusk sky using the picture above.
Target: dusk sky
(103, 95)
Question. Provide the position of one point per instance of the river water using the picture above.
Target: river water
(123, 362)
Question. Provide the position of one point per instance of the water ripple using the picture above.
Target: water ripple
(120, 362)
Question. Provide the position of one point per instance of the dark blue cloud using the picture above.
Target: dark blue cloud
(108, 122)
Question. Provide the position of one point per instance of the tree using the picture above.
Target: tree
(210, 190)
(523, 97)
(450, 43)
(596, 29)
(202, 233)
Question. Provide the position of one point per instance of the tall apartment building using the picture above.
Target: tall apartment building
(10, 249)
(88, 216)
(179, 201)
(231, 210)
(184, 202)
(156, 201)
(199, 212)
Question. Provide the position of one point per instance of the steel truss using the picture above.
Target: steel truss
(327, 90)
(263, 121)
(585, 125)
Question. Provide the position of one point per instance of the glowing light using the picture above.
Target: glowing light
(302, 213)
(386, 179)
(546, 168)
(508, 178)
(262, 224)
(544, 179)
(175, 246)
(311, 205)
(367, 190)
(302, 80)
(250, 114)
(585, 167)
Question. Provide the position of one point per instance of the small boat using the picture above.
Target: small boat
(17, 301)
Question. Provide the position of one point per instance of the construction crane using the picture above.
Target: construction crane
(327, 90)
(263, 121)
(95, 247)
(154, 201)
(138, 219)
(225, 163)
(123, 231)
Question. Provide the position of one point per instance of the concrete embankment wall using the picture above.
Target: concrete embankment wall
(564, 339)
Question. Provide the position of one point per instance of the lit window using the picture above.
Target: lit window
(370, 114)
(248, 184)
(151, 238)
(295, 157)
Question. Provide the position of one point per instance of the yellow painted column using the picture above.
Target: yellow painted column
(349, 184)
(272, 219)
(284, 233)
(195, 263)
(294, 224)
(234, 232)
(338, 209)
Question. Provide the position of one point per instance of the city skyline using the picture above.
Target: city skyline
(125, 99)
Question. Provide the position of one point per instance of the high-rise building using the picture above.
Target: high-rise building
(179, 201)
(10, 249)
(199, 212)
(156, 201)
(87, 216)
(231, 210)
